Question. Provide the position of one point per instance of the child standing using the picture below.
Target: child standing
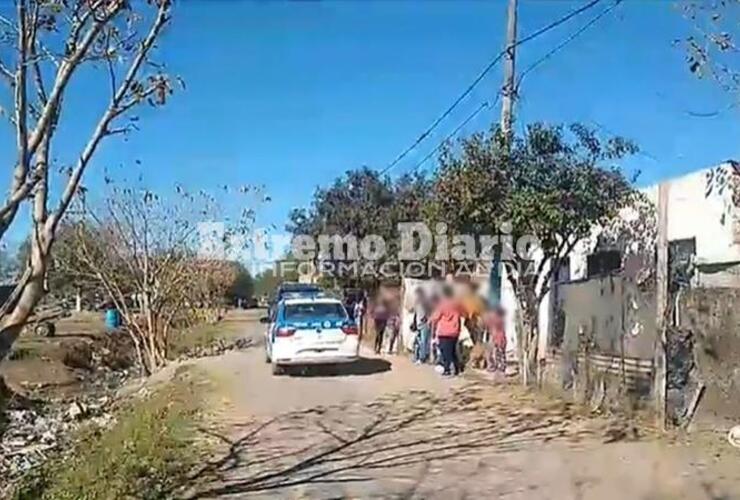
(420, 325)
(394, 327)
(495, 327)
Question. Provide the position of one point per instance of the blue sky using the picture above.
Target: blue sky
(290, 95)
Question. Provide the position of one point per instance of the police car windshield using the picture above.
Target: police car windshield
(313, 310)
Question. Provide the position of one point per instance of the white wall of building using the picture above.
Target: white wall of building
(700, 206)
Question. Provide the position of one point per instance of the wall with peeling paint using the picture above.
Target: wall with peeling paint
(711, 316)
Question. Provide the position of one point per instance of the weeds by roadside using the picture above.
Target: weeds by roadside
(144, 455)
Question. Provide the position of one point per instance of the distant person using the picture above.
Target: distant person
(420, 325)
(446, 321)
(434, 299)
(494, 321)
(359, 311)
(380, 320)
(474, 307)
(393, 327)
(349, 306)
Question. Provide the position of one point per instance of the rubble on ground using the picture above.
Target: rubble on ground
(220, 346)
(35, 430)
(38, 425)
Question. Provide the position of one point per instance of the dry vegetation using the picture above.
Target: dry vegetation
(145, 454)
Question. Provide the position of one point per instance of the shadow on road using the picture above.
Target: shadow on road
(324, 449)
(363, 366)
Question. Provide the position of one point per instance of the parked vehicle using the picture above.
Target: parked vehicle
(293, 289)
(309, 330)
(296, 288)
(43, 320)
(250, 303)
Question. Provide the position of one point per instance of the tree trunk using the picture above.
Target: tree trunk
(31, 293)
(528, 336)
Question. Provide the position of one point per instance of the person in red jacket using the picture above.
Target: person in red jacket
(446, 320)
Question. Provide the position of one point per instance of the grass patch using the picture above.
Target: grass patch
(19, 353)
(145, 455)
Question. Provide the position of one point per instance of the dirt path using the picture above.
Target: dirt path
(389, 429)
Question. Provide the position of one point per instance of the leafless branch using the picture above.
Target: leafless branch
(112, 112)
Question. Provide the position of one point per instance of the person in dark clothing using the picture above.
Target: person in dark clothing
(393, 325)
(380, 320)
(420, 325)
(349, 306)
(448, 353)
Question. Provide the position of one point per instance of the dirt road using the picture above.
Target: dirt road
(388, 429)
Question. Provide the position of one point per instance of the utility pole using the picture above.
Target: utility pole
(509, 89)
(507, 105)
(661, 299)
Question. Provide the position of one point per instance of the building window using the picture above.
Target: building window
(603, 262)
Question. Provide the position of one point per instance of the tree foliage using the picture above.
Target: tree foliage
(241, 284)
(552, 186)
(362, 202)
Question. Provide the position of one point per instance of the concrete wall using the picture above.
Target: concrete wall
(602, 342)
(712, 318)
(702, 205)
(613, 312)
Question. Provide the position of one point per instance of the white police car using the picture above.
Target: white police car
(310, 330)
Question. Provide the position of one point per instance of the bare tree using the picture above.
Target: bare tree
(712, 48)
(141, 250)
(45, 48)
(212, 281)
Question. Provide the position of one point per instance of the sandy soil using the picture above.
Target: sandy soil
(388, 429)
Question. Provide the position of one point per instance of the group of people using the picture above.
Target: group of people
(438, 323)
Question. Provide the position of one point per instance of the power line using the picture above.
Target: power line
(483, 106)
(568, 40)
(483, 73)
(640, 152)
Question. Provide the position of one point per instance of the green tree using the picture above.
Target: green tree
(284, 270)
(553, 186)
(265, 283)
(242, 286)
(362, 202)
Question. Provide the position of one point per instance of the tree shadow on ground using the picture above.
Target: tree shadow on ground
(363, 366)
(368, 443)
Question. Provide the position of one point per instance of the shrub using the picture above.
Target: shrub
(78, 355)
